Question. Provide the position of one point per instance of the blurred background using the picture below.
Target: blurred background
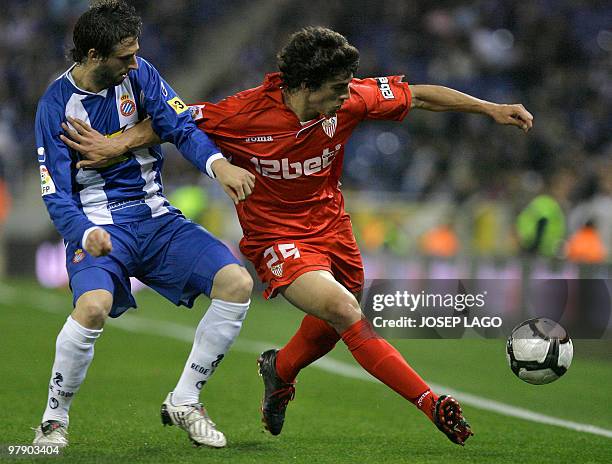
(440, 195)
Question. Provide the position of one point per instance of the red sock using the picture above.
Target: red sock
(314, 339)
(385, 363)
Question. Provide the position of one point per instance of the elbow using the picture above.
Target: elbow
(418, 97)
(417, 103)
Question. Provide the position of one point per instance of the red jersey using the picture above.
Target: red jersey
(297, 166)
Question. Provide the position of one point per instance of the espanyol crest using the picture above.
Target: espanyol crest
(329, 126)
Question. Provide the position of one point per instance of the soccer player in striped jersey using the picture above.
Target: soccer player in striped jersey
(291, 132)
(117, 223)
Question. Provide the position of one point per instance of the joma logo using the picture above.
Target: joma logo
(262, 138)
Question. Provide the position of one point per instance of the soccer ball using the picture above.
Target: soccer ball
(539, 351)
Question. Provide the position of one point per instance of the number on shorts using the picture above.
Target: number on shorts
(287, 250)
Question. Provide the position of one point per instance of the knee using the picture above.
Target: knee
(92, 309)
(233, 284)
(342, 311)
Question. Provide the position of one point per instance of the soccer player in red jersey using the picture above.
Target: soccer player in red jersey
(291, 132)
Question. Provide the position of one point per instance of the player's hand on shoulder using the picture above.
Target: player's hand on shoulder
(515, 115)
(83, 138)
(237, 182)
(98, 243)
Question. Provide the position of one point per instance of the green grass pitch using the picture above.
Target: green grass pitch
(334, 418)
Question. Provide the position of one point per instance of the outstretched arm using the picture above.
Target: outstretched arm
(99, 150)
(438, 98)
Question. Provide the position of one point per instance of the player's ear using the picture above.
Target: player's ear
(93, 55)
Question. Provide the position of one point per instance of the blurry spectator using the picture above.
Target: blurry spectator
(541, 226)
(441, 242)
(192, 200)
(5, 202)
(5, 206)
(596, 204)
(585, 246)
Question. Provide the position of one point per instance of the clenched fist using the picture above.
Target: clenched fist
(98, 243)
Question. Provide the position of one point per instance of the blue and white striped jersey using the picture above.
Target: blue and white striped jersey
(131, 188)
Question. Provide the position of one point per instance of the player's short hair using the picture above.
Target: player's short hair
(103, 26)
(315, 55)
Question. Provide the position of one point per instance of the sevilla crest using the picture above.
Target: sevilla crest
(329, 126)
(277, 270)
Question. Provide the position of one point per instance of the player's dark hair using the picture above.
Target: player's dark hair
(103, 26)
(315, 55)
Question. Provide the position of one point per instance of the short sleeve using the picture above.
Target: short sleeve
(383, 97)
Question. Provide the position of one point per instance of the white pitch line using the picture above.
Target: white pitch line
(479, 402)
(180, 332)
(132, 323)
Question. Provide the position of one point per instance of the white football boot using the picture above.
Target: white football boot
(194, 420)
(51, 433)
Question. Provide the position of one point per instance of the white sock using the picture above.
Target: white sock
(215, 334)
(74, 350)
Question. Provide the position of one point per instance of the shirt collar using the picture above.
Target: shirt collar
(68, 75)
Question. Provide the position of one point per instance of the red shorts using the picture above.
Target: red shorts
(279, 262)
